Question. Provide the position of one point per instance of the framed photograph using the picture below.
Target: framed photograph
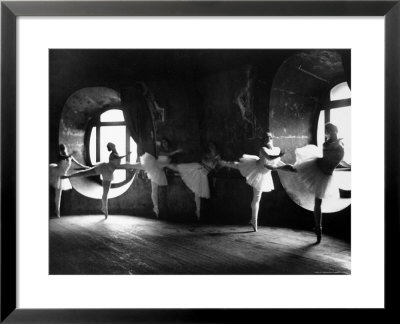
(190, 161)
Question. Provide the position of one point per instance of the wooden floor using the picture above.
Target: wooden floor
(138, 245)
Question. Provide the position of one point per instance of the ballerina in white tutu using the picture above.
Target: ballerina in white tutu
(315, 171)
(154, 168)
(106, 170)
(257, 171)
(195, 175)
(57, 170)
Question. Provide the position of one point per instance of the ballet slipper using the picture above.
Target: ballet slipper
(254, 225)
(318, 232)
(105, 212)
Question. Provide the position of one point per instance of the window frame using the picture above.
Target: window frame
(326, 105)
(96, 122)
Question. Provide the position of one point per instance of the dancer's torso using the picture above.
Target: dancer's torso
(209, 162)
(273, 152)
(163, 160)
(65, 164)
(114, 161)
(333, 153)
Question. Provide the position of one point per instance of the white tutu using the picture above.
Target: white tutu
(194, 175)
(154, 169)
(309, 175)
(58, 170)
(257, 176)
(106, 170)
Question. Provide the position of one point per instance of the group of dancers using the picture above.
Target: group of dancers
(313, 171)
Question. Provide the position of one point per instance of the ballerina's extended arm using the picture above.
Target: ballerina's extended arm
(164, 153)
(264, 153)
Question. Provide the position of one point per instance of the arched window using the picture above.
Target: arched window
(338, 112)
(107, 127)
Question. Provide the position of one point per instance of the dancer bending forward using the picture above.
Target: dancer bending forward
(106, 170)
(315, 173)
(257, 171)
(57, 170)
(195, 175)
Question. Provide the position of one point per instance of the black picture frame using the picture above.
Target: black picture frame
(10, 10)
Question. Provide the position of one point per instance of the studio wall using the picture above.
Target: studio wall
(205, 98)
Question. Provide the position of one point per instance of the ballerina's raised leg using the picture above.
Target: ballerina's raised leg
(57, 170)
(106, 182)
(257, 171)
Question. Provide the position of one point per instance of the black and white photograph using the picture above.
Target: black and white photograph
(200, 161)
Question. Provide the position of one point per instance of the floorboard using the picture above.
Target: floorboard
(137, 245)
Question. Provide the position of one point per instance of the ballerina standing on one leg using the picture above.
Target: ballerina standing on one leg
(315, 173)
(57, 170)
(155, 169)
(195, 175)
(257, 171)
(106, 170)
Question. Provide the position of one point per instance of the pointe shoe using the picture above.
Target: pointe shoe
(253, 225)
(105, 213)
(156, 211)
(318, 232)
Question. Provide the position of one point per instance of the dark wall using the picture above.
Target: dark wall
(227, 98)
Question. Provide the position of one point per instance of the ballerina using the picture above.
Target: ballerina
(154, 168)
(106, 170)
(57, 170)
(257, 171)
(195, 175)
(315, 173)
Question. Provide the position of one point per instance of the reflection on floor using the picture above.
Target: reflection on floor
(137, 245)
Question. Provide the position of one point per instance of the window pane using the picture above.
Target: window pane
(113, 134)
(92, 146)
(341, 117)
(113, 115)
(119, 176)
(133, 149)
(116, 135)
(341, 91)
(321, 128)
